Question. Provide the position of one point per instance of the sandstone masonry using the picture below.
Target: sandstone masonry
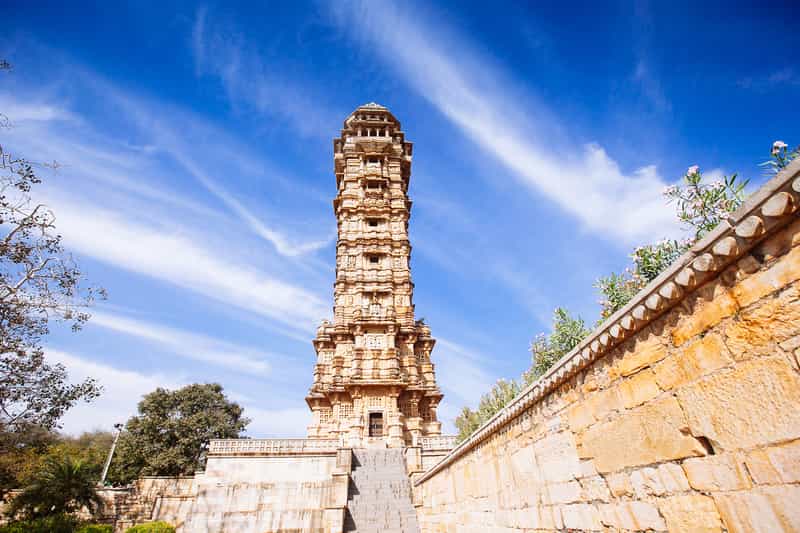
(680, 413)
(374, 381)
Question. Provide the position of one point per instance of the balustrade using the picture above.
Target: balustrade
(271, 446)
(440, 442)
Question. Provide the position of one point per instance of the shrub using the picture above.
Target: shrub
(60, 523)
(152, 527)
(95, 528)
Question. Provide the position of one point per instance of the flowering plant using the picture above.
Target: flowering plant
(780, 157)
(701, 206)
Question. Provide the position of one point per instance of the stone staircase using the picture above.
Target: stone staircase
(379, 498)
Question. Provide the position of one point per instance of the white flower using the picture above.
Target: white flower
(777, 146)
(694, 169)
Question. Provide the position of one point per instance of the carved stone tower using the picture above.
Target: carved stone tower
(374, 381)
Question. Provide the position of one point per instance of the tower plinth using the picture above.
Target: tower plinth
(374, 382)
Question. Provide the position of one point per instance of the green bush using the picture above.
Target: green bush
(95, 528)
(151, 527)
(51, 524)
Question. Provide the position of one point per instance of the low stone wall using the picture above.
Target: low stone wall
(265, 485)
(680, 413)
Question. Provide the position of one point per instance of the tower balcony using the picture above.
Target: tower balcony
(374, 312)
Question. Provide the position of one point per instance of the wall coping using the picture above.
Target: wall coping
(763, 213)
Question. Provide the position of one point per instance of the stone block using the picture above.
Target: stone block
(604, 402)
(693, 513)
(646, 482)
(638, 389)
(587, 469)
(646, 516)
(523, 463)
(652, 433)
(657, 481)
(777, 464)
(696, 360)
(766, 510)
(567, 492)
(785, 271)
(616, 515)
(643, 354)
(620, 484)
(716, 472)
(673, 478)
(581, 516)
(595, 488)
(752, 404)
(706, 313)
(759, 329)
(557, 457)
(579, 417)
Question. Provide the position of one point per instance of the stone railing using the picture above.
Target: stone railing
(272, 446)
(441, 442)
(767, 210)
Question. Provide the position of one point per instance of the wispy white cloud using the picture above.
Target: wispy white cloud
(787, 76)
(188, 344)
(650, 86)
(280, 422)
(122, 390)
(135, 234)
(584, 181)
(463, 376)
(17, 111)
(169, 253)
(281, 243)
(254, 83)
(170, 139)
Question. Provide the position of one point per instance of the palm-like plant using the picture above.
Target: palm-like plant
(63, 485)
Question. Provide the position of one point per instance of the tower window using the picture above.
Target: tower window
(374, 259)
(372, 222)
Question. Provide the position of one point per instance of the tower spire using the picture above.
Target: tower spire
(373, 380)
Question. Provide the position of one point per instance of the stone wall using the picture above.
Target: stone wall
(264, 485)
(680, 413)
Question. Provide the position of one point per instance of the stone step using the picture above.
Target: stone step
(379, 498)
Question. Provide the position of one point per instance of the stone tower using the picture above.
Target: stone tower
(373, 381)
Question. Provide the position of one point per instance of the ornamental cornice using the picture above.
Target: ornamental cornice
(763, 213)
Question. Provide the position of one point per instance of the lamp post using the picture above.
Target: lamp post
(118, 427)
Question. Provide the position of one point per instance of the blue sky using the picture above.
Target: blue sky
(196, 168)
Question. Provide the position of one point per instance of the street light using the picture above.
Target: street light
(118, 427)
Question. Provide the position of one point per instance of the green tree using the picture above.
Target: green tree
(170, 434)
(490, 403)
(567, 332)
(62, 486)
(545, 350)
(27, 452)
(22, 453)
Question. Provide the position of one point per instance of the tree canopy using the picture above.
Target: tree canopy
(170, 434)
(39, 283)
